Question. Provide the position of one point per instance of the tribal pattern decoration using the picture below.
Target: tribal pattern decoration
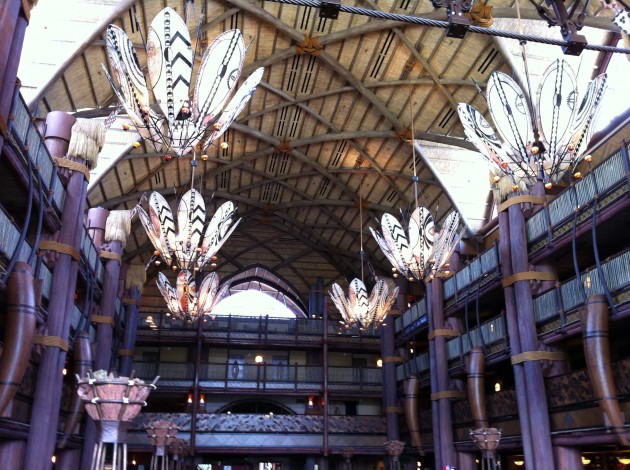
(362, 309)
(184, 122)
(543, 142)
(419, 251)
(191, 247)
(184, 301)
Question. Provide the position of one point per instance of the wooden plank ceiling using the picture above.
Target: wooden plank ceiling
(323, 130)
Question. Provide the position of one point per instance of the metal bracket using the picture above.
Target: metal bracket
(330, 9)
(458, 22)
(569, 26)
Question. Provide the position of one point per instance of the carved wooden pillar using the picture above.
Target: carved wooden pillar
(390, 360)
(47, 399)
(568, 458)
(534, 384)
(437, 335)
(132, 301)
(511, 318)
(117, 229)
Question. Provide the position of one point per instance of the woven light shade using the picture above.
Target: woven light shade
(162, 433)
(113, 402)
(487, 439)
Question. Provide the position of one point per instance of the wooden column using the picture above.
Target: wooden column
(511, 318)
(390, 398)
(435, 409)
(105, 321)
(111, 254)
(131, 325)
(568, 458)
(534, 384)
(445, 441)
(47, 399)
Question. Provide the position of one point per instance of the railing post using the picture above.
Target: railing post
(264, 365)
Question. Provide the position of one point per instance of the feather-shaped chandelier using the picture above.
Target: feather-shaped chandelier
(414, 247)
(185, 301)
(538, 142)
(190, 247)
(418, 251)
(181, 121)
(360, 308)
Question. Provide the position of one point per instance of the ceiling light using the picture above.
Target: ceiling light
(362, 308)
(585, 460)
(519, 463)
(181, 119)
(527, 151)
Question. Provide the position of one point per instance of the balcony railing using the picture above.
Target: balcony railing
(237, 375)
(480, 270)
(558, 306)
(267, 433)
(256, 330)
(607, 183)
(31, 145)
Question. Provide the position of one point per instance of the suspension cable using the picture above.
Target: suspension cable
(446, 25)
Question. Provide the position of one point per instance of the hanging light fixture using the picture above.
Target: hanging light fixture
(182, 120)
(414, 247)
(184, 301)
(539, 142)
(190, 247)
(360, 308)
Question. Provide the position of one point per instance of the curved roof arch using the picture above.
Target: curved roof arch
(322, 131)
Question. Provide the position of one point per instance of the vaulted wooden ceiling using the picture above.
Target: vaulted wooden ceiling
(329, 126)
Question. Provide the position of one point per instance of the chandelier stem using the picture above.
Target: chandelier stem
(523, 44)
(361, 230)
(413, 146)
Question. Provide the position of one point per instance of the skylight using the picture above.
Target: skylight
(252, 303)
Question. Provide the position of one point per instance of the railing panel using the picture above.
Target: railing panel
(489, 260)
(562, 207)
(585, 189)
(422, 362)
(536, 225)
(610, 172)
(546, 306)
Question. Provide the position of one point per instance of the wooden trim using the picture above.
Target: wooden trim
(74, 166)
(443, 332)
(53, 341)
(538, 356)
(129, 301)
(102, 319)
(26, 7)
(393, 409)
(529, 276)
(51, 245)
(394, 359)
(539, 200)
(447, 394)
(125, 352)
(110, 255)
(4, 127)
